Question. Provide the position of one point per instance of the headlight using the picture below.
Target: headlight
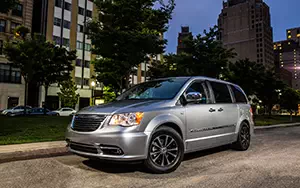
(127, 119)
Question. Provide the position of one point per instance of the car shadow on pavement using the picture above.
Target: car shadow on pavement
(130, 167)
(204, 153)
(114, 167)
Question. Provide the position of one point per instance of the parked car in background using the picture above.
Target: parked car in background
(40, 111)
(18, 110)
(65, 111)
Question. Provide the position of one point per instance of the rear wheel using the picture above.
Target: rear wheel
(165, 151)
(244, 138)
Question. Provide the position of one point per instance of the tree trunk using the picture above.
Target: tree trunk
(291, 116)
(25, 98)
(45, 101)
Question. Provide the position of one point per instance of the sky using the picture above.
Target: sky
(202, 14)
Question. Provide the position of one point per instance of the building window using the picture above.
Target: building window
(87, 64)
(18, 10)
(78, 62)
(58, 3)
(79, 45)
(66, 42)
(8, 74)
(68, 6)
(85, 81)
(57, 22)
(79, 28)
(1, 47)
(89, 13)
(13, 26)
(80, 11)
(67, 24)
(2, 25)
(56, 40)
(88, 47)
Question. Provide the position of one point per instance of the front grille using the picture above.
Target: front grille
(87, 123)
(83, 148)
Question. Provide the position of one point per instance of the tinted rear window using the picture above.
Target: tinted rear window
(221, 92)
(238, 95)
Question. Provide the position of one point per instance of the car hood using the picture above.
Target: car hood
(125, 106)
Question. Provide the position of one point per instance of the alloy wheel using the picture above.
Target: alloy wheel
(164, 151)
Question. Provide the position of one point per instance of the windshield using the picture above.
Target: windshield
(155, 90)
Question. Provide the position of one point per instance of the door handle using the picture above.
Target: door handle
(212, 110)
(221, 110)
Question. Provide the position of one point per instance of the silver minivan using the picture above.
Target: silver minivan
(161, 120)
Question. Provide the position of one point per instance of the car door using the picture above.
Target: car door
(66, 111)
(225, 115)
(198, 118)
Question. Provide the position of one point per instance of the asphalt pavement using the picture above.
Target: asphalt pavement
(273, 161)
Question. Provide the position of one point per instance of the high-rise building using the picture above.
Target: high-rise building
(185, 33)
(245, 25)
(293, 34)
(12, 85)
(287, 58)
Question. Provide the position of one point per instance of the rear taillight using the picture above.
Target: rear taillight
(251, 111)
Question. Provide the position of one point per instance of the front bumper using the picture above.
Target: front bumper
(132, 144)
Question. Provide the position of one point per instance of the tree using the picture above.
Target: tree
(67, 94)
(108, 94)
(255, 80)
(56, 65)
(126, 34)
(268, 89)
(6, 5)
(246, 74)
(204, 56)
(24, 54)
(289, 100)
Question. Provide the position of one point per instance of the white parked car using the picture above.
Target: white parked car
(65, 111)
(18, 110)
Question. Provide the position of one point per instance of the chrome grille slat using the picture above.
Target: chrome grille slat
(87, 122)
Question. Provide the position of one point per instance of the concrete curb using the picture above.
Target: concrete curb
(9, 153)
(277, 126)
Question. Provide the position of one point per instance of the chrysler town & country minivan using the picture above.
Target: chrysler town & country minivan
(161, 120)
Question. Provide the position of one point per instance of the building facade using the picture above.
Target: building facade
(12, 86)
(293, 34)
(62, 21)
(287, 55)
(245, 25)
(183, 35)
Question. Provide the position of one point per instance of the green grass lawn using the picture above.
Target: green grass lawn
(273, 120)
(15, 130)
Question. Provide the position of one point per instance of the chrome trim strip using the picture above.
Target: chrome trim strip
(209, 137)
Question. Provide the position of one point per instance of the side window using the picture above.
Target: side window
(221, 92)
(67, 109)
(201, 88)
(238, 95)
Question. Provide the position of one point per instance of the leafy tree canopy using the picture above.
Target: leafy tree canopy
(126, 33)
(6, 5)
(67, 94)
(204, 56)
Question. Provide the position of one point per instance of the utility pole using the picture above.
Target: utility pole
(62, 23)
(83, 45)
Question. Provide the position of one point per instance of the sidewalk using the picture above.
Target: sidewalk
(17, 152)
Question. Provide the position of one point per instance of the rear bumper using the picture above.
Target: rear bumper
(126, 146)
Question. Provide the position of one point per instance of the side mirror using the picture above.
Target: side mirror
(193, 97)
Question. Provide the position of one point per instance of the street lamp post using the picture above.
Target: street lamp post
(93, 84)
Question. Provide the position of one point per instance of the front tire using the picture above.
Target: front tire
(165, 152)
(244, 138)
